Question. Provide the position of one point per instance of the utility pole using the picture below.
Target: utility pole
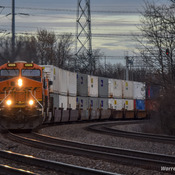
(105, 65)
(127, 68)
(13, 28)
(129, 61)
(83, 31)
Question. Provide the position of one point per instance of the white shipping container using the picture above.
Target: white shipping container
(71, 83)
(92, 86)
(82, 102)
(93, 103)
(59, 101)
(128, 104)
(118, 104)
(58, 77)
(117, 88)
(105, 87)
(110, 88)
(82, 85)
(128, 89)
(139, 90)
(63, 83)
(72, 102)
(87, 85)
(107, 103)
(63, 101)
(111, 103)
(103, 103)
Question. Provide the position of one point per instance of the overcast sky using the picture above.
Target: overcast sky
(65, 21)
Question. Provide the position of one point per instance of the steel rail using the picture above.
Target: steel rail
(149, 162)
(107, 149)
(52, 165)
(6, 170)
(102, 128)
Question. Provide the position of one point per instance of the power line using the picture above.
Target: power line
(95, 35)
(74, 10)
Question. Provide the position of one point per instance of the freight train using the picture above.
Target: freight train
(32, 94)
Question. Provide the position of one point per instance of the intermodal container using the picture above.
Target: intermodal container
(117, 88)
(87, 85)
(128, 90)
(71, 102)
(118, 104)
(59, 101)
(139, 104)
(139, 90)
(128, 104)
(71, 84)
(152, 91)
(82, 103)
(56, 75)
(103, 103)
(93, 103)
(105, 87)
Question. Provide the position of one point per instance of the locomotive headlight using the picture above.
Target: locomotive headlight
(8, 102)
(19, 82)
(31, 102)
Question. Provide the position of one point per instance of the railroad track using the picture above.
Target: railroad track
(106, 129)
(122, 156)
(7, 169)
(47, 164)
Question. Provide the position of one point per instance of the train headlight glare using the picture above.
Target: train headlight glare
(31, 102)
(8, 102)
(20, 82)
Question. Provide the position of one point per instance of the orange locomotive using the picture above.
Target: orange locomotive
(22, 95)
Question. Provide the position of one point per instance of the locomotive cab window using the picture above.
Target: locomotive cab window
(34, 74)
(6, 74)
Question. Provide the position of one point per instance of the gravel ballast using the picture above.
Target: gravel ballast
(76, 132)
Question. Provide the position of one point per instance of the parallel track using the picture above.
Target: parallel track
(138, 158)
(7, 169)
(52, 165)
(105, 129)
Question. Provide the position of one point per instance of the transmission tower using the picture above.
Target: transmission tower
(83, 31)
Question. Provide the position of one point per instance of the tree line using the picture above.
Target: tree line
(46, 48)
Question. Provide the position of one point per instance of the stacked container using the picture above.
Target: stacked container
(71, 89)
(117, 88)
(105, 87)
(109, 88)
(139, 95)
(128, 89)
(87, 91)
(82, 103)
(139, 90)
(110, 91)
(128, 104)
(87, 85)
(63, 88)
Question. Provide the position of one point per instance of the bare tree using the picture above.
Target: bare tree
(88, 65)
(157, 48)
(46, 46)
(158, 37)
(64, 57)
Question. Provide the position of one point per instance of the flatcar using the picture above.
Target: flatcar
(22, 95)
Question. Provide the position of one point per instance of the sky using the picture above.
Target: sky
(116, 25)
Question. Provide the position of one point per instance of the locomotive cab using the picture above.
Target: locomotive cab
(21, 95)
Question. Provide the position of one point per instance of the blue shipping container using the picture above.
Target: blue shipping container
(140, 104)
